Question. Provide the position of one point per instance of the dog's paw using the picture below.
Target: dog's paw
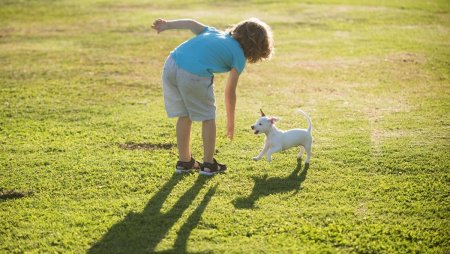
(256, 158)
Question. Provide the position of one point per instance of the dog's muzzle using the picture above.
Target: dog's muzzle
(253, 127)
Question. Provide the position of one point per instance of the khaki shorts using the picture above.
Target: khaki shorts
(186, 94)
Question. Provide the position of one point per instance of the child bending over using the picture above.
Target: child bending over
(188, 80)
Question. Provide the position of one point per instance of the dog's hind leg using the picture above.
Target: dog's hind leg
(300, 153)
(308, 153)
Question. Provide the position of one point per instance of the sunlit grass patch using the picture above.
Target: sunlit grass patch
(87, 153)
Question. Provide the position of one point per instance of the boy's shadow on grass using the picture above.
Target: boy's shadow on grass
(265, 186)
(142, 232)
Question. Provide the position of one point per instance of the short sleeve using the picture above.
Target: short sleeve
(238, 63)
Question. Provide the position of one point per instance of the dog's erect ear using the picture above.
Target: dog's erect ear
(273, 120)
(262, 113)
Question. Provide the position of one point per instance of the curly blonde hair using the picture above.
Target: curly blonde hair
(255, 38)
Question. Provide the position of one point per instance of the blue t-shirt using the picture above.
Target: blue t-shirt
(210, 52)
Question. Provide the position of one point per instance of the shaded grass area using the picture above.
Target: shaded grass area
(87, 153)
(12, 194)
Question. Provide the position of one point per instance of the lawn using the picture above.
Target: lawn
(87, 153)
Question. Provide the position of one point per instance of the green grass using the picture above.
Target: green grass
(87, 154)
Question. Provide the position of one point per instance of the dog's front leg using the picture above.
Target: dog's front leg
(272, 150)
(261, 154)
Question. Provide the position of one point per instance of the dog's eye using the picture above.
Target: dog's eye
(260, 123)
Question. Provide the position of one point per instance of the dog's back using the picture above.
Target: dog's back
(295, 137)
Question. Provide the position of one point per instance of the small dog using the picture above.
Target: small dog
(278, 140)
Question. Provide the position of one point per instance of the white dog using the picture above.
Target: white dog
(278, 140)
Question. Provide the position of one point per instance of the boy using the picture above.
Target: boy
(188, 77)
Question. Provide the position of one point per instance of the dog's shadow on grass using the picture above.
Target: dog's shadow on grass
(265, 186)
(142, 232)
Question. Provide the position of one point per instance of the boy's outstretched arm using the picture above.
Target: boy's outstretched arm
(230, 101)
(161, 25)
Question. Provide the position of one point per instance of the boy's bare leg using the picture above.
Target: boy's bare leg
(183, 138)
(209, 140)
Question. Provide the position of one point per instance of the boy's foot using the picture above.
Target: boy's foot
(187, 167)
(212, 168)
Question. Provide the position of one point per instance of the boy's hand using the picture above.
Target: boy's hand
(160, 25)
(230, 131)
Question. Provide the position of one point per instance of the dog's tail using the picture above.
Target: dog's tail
(307, 118)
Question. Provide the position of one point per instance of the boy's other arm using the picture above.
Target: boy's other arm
(161, 25)
(230, 100)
